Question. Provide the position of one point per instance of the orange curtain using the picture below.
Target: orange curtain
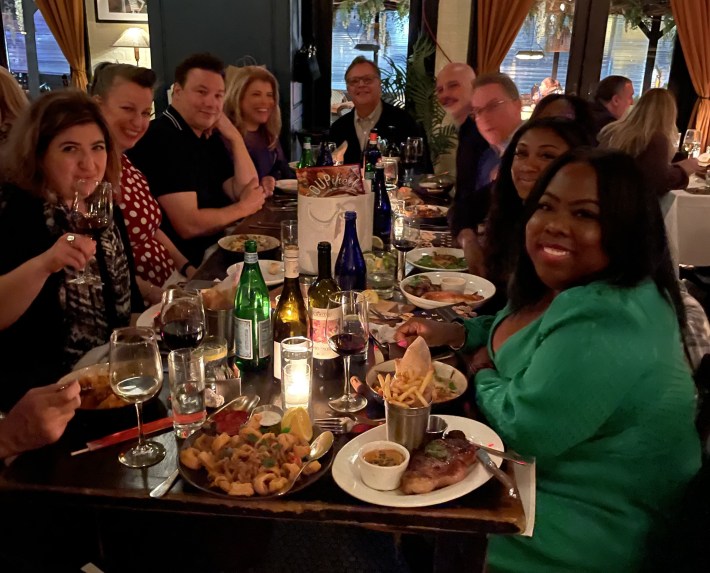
(65, 19)
(499, 22)
(692, 19)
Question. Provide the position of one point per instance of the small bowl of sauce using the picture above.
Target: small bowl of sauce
(270, 417)
(382, 464)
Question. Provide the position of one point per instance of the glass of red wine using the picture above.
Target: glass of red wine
(182, 318)
(405, 237)
(347, 331)
(91, 214)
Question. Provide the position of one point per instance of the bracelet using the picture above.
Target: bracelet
(183, 269)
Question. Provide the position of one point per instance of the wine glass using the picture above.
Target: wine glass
(182, 318)
(347, 331)
(136, 375)
(409, 161)
(405, 235)
(418, 143)
(91, 214)
(691, 142)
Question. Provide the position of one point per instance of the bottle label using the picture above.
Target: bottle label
(265, 338)
(250, 258)
(242, 338)
(319, 320)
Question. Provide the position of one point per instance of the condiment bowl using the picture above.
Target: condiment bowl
(381, 477)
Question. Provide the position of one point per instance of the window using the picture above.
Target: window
(50, 59)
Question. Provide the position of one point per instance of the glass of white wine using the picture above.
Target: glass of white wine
(136, 375)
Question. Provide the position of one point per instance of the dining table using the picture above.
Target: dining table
(98, 485)
(686, 213)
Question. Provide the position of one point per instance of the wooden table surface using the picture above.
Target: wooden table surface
(98, 480)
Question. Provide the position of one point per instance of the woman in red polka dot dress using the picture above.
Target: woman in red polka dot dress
(125, 95)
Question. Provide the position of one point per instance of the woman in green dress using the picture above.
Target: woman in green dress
(584, 369)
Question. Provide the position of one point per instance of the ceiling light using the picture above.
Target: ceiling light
(529, 55)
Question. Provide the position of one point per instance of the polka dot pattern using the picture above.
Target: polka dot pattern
(143, 217)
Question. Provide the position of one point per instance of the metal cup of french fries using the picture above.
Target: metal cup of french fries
(408, 396)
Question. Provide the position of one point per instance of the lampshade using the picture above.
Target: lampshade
(133, 38)
(529, 54)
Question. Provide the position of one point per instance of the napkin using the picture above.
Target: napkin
(416, 361)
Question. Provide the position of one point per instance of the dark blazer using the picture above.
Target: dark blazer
(404, 126)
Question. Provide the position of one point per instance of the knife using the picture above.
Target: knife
(131, 433)
(497, 473)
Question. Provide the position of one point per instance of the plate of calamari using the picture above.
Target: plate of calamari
(251, 461)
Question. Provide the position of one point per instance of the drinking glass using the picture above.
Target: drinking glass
(289, 234)
(347, 330)
(405, 235)
(691, 142)
(391, 165)
(409, 160)
(91, 214)
(418, 143)
(186, 369)
(136, 375)
(182, 318)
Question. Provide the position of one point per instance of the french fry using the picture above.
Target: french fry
(398, 403)
(407, 393)
(426, 381)
(421, 398)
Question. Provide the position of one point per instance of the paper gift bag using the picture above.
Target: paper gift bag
(322, 219)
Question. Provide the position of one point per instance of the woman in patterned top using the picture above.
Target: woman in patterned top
(61, 139)
(125, 96)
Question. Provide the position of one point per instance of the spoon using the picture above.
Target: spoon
(239, 403)
(319, 448)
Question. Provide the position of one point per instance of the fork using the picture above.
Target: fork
(344, 425)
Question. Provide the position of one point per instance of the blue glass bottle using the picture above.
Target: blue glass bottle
(325, 158)
(350, 270)
(382, 218)
(371, 156)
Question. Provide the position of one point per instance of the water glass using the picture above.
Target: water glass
(381, 269)
(391, 165)
(219, 377)
(296, 368)
(186, 371)
(289, 234)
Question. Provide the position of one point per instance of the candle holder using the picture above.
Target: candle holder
(296, 368)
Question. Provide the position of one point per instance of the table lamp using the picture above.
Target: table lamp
(133, 38)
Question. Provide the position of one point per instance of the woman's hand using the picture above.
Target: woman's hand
(434, 333)
(269, 184)
(39, 418)
(70, 250)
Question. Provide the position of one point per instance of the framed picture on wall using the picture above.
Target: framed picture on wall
(121, 10)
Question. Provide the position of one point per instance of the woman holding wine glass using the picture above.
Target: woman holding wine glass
(61, 140)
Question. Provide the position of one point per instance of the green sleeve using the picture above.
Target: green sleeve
(477, 332)
(588, 356)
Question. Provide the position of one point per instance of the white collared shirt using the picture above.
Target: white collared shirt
(363, 125)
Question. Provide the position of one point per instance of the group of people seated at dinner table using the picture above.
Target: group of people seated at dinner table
(580, 361)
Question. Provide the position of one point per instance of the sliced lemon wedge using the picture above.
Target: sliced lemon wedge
(371, 296)
(377, 243)
(298, 422)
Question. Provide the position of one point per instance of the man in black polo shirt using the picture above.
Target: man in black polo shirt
(201, 185)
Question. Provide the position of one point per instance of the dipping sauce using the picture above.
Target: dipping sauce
(384, 458)
(269, 418)
(230, 421)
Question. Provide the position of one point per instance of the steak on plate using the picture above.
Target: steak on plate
(440, 463)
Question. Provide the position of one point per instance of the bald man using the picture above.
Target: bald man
(454, 90)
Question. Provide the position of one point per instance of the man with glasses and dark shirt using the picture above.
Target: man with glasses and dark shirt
(196, 163)
(496, 108)
(370, 113)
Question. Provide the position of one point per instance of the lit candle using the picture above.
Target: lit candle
(297, 384)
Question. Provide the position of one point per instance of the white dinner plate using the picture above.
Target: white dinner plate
(287, 185)
(416, 254)
(347, 475)
(147, 319)
(474, 284)
(266, 266)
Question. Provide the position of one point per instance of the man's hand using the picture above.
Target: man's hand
(252, 197)
(39, 418)
(64, 253)
(472, 251)
(227, 130)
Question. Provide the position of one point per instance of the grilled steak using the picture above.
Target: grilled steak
(440, 463)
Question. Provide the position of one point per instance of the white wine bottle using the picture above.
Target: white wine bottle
(290, 316)
(326, 363)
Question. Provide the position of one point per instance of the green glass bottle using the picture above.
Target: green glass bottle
(252, 315)
(307, 154)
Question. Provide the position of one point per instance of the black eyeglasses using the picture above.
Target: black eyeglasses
(490, 107)
(367, 80)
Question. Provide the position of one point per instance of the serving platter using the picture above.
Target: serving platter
(347, 475)
(235, 243)
(200, 479)
(266, 266)
(474, 284)
(442, 371)
(287, 185)
(414, 256)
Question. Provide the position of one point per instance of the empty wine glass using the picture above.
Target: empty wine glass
(418, 143)
(136, 375)
(405, 236)
(347, 331)
(182, 318)
(409, 161)
(91, 214)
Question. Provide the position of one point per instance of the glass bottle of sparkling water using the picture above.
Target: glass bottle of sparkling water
(252, 315)
(307, 154)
